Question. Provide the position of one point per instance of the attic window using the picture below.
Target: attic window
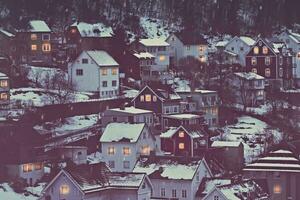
(64, 189)
(46, 47)
(104, 72)
(265, 50)
(256, 50)
(277, 189)
(181, 134)
(145, 150)
(148, 97)
(33, 37)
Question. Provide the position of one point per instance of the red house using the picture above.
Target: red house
(270, 60)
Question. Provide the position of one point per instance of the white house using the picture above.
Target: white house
(186, 43)
(91, 182)
(239, 47)
(174, 178)
(122, 144)
(95, 71)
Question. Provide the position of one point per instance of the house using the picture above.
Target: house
(4, 90)
(7, 44)
(122, 144)
(95, 181)
(248, 88)
(82, 36)
(239, 46)
(231, 154)
(281, 169)
(185, 119)
(187, 43)
(75, 154)
(241, 190)
(160, 99)
(270, 60)
(174, 177)
(95, 71)
(34, 44)
(292, 41)
(128, 115)
(207, 102)
(184, 140)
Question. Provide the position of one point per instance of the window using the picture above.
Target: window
(38, 166)
(241, 48)
(216, 197)
(145, 150)
(126, 151)
(46, 37)
(79, 72)
(142, 98)
(188, 47)
(114, 83)
(33, 36)
(181, 134)
(181, 146)
(46, 47)
(162, 192)
(175, 109)
(3, 83)
(126, 164)
(183, 193)
(265, 50)
(267, 72)
(114, 71)
(253, 61)
(104, 83)
(111, 164)
(64, 189)
(162, 58)
(144, 185)
(256, 50)
(154, 98)
(298, 55)
(167, 110)
(148, 97)
(174, 193)
(280, 72)
(232, 48)
(280, 60)
(214, 111)
(267, 60)
(111, 150)
(277, 189)
(73, 30)
(104, 72)
(254, 70)
(202, 59)
(27, 167)
(33, 47)
(85, 61)
(201, 48)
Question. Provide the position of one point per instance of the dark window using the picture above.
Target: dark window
(79, 72)
(85, 61)
(114, 83)
(104, 83)
(45, 37)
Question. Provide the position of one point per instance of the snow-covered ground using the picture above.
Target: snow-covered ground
(7, 193)
(260, 110)
(68, 124)
(253, 130)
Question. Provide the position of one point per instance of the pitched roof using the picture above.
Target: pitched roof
(225, 144)
(131, 110)
(39, 26)
(144, 55)
(3, 76)
(153, 42)
(102, 58)
(93, 30)
(249, 75)
(248, 40)
(8, 34)
(193, 131)
(191, 38)
(117, 132)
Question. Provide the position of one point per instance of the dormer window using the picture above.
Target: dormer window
(256, 50)
(265, 50)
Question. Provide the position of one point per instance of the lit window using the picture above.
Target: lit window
(253, 61)
(64, 189)
(154, 98)
(280, 60)
(162, 58)
(181, 134)
(46, 37)
(111, 150)
(33, 36)
(38, 166)
(265, 50)
(201, 48)
(4, 96)
(148, 97)
(4, 83)
(181, 146)
(114, 71)
(33, 47)
(46, 47)
(73, 30)
(280, 72)
(267, 72)
(256, 50)
(142, 98)
(277, 189)
(126, 151)
(254, 70)
(27, 167)
(267, 60)
(202, 59)
(146, 150)
(104, 72)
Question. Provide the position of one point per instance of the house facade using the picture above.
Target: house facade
(122, 144)
(95, 71)
(270, 60)
(4, 90)
(34, 44)
(182, 119)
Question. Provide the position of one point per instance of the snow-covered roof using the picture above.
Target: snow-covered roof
(230, 53)
(225, 144)
(277, 46)
(102, 58)
(116, 132)
(3, 76)
(39, 26)
(221, 43)
(183, 116)
(8, 34)
(154, 42)
(249, 75)
(131, 110)
(248, 40)
(93, 30)
(194, 132)
(211, 183)
(144, 55)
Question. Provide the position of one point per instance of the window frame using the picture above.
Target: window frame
(79, 72)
